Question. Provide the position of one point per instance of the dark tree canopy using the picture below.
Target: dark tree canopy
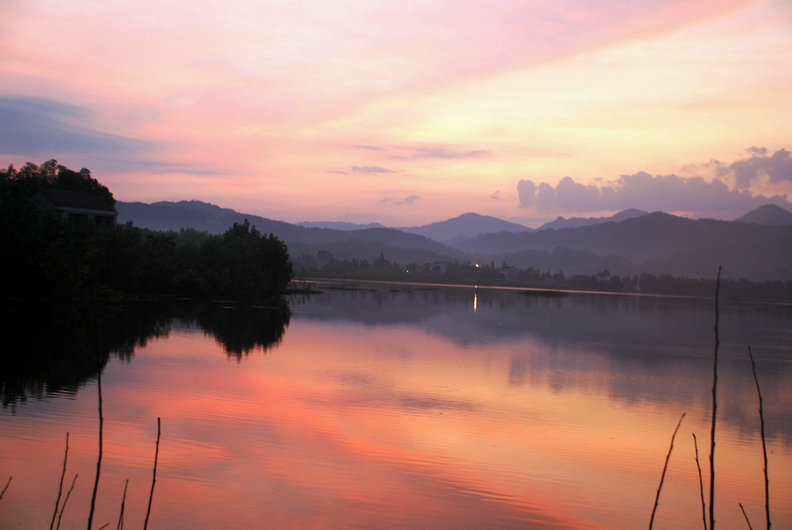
(51, 175)
(246, 264)
(46, 256)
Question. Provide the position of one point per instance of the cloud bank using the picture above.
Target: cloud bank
(46, 128)
(670, 193)
(777, 167)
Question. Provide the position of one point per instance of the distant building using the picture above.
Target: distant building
(77, 206)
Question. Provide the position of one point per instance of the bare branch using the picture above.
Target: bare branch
(60, 484)
(746, 517)
(764, 442)
(99, 458)
(665, 466)
(701, 483)
(120, 525)
(154, 475)
(8, 483)
(68, 494)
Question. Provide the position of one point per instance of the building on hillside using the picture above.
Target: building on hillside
(77, 206)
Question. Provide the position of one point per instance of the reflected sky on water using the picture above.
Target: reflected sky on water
(419, 407)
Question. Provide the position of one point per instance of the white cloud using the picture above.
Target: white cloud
(671, 193)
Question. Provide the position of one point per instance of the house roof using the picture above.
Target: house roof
(77, 200)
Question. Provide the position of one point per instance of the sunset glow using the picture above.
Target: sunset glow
(349, 420)
(406, 113)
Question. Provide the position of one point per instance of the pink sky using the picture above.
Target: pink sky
(408, 112)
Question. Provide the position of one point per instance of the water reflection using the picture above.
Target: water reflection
(635, 324)
(242, 329)
(395, 407)
(56, 350)
(652, 349)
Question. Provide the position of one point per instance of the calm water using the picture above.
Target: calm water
(401, 407)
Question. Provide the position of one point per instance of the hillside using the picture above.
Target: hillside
(359, 243)
(657, 243)
(464, 226)
(662, 243)
(577, 222)
(769, 214)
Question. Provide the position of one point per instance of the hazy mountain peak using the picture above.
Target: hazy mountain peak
(577, 222)
(629, 213)
(197, 206)
(467, 225)
(769, 214)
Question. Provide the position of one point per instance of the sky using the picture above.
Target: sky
(408, 112)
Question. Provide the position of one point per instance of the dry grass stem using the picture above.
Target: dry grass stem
(764, 442)
(154, 475)
(60, 484)
(120, 525)
(701, 483)
(665, 467)
(68, 494)
(746, 517)
(8, 482)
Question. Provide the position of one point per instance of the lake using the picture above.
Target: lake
(395, 406)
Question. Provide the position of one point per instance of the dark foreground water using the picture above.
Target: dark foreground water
(401, 407)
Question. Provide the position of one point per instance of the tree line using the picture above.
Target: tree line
(490, 273)
(48, 257)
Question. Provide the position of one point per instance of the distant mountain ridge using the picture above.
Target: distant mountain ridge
(657, 243)
(359, 243)
(663, 244)
(576, 222)
(769, 214)
(464, 226)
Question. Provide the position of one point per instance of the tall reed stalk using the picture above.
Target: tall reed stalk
(764, 442)
(68, 494)
(701, 483)
(60, 484)
(747, 521)
(8, 483)
(99, 458)
(714, 410)
(665, 467)
(154, 475)
(120, 525)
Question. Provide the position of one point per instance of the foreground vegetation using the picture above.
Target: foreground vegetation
(49, 257)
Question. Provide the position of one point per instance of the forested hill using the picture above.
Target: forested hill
(365, 243)
(61, 245)
(663, 244)
(657, 243)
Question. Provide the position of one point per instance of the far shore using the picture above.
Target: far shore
(351, 283)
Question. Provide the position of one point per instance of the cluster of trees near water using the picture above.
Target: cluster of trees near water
(467, 273)
(49, 257)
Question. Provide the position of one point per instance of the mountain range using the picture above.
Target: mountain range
(576, 222)
(756, 246)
